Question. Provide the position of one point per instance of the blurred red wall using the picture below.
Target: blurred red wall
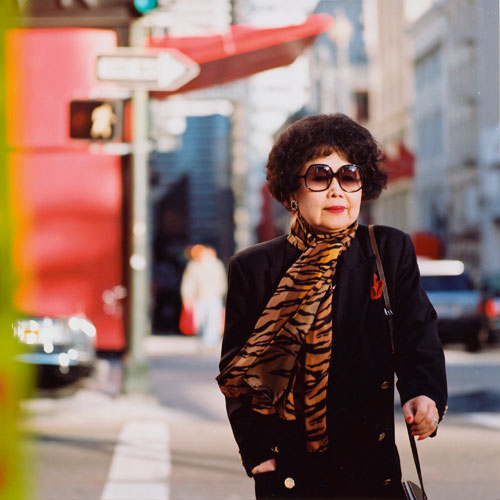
(67, 202)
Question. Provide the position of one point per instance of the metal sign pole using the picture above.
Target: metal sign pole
(141, 69)
(136, 369)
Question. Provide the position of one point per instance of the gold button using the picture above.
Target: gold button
(381, 436)
(289, 483)
(385, 385)
(387, 482)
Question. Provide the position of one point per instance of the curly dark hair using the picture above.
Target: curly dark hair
(317, 136)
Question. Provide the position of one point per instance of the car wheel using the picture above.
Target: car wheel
(473, 344)
(493, 336)
(476, 341)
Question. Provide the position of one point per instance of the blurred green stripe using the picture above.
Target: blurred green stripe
(13, 473)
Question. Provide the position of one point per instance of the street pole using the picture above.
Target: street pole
(136, 370)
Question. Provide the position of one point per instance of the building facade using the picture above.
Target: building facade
(456, 117)
(390, 90)
(339, 63)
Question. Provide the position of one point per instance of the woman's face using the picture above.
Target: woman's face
(333, 208)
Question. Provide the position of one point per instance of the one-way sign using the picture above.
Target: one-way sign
(150, 69)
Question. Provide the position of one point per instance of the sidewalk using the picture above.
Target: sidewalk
(99, 397)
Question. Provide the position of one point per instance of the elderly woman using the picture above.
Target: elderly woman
(308, 361)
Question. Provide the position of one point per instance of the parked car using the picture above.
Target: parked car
(490, 284)
(465, 314)
(61, 349)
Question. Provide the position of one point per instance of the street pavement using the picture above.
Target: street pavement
(98, 444)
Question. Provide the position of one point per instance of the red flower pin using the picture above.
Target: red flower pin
(377, 288)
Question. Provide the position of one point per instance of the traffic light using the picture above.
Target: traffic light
(96, 119)
(83, 12)
(144, 6)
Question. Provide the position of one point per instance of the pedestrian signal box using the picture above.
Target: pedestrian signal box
(97, 120)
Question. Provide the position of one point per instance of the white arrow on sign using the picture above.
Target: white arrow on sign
(151, 69)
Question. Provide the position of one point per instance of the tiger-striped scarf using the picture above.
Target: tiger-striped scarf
(284, 364)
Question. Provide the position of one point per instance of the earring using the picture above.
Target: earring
(294, 205)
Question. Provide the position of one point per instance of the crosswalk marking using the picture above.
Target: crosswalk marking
(140, 467)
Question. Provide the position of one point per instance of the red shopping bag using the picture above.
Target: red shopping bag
(187, 324)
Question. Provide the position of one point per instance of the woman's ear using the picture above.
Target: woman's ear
(291, 204)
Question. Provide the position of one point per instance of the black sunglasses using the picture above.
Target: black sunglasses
(319, 177)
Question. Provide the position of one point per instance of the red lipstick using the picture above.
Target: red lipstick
(336, 209)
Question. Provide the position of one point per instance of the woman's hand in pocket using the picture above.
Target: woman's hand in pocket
(267, 466)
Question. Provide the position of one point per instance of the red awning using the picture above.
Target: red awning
(243, 50)
(400, 166)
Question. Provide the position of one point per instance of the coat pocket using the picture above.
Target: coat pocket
(274, 485)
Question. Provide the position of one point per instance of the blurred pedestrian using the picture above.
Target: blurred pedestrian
(203, 287)
(308, 355)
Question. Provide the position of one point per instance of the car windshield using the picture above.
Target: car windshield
(447, 283)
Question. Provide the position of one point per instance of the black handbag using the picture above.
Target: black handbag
(412, 491)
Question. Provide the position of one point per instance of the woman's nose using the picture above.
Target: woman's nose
(335, 188)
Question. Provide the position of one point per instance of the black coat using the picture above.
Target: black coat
(360, 401)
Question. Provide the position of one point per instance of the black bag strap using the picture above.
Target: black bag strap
(390, 318)
(385, 292)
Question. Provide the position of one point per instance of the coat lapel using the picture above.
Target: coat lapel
(351, 299)
(278, 264)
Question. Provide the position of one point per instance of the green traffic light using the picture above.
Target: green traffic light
(144, 6)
